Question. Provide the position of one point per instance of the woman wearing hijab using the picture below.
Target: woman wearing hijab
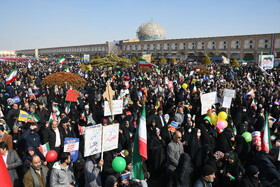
(251, 178)
(111, 181)
(242, 148)
(202, 155)
(223, 142)
(156, 154)
(232, 171)
(181, 177)
(194, 143)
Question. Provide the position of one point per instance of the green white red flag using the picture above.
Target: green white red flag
(62, 60)
(181, 77)
(83, 116)
(265, 135)
(140, 148)
(52, 118)
(44, 149)
(12, 76)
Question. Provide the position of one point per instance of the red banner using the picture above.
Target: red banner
(72, 95)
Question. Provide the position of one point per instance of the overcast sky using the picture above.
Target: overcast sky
(28, 24)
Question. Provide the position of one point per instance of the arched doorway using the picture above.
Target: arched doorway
(235, 55)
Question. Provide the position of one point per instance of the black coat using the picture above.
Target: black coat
(49, 136)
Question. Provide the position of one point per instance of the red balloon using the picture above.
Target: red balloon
(51, 156)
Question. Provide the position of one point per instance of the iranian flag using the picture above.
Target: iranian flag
(254, 104)
(12, 76)
(140, 149)
(265, 135)
(181, 77)
(67, 69)
(144, 63)
(35, 117)
(83, 116)
(44, 149)
(62, 60)
(52, 118)
(103, 75)
(56, 110)
(67, 109)
(158, 72)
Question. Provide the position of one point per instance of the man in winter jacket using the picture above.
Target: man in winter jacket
(37, 174)
(62, 173)
(93, 171)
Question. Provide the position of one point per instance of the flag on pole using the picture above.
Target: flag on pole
(67, 109)
(90, 120)
(265, 134)
(12, 76)
(52, 118)
(181, 76)
(83, 116)
(35, 117)
(62, 60)
(67, 69)
(4, 177)
(254, 104)
(158, 72)
(140, 148)
(44, 149)
(103, 75)
(56, 110)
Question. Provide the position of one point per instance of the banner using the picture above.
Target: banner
(86, 67)
(117, 108)
(72, 95)
(266, 61)
(24, 116)
(227, 102)
(170, 84)
(207, 100)
(229, 93)
(86, 57)
(147, 57)
(110, 137)
(71, 145)
(82, 129)
(92, 141)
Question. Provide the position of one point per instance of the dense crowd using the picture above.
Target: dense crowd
(196, 154)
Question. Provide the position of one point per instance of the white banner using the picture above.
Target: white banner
(229, 93)
(117, 107)
(267, 61)
(92, 141)
(110, 137)
(227, 102)
(207, 100)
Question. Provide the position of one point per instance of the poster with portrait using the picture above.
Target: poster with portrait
(266, 61)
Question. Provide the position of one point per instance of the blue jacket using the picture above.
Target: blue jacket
(31, 139)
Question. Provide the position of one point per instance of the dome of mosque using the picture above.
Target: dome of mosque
(151, 31)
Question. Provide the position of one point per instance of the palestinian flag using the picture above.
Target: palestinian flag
(158, 72)
(67, 69)
(83, 116)
(67, 109)
(62, 60)
(254, 104)
(265, 135)
(35, 117)
(56, 110)
(12, 76)
(181, 77)
(44, 149)
(140, 149)
(52, 118)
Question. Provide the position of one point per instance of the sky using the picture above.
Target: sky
(29, 24)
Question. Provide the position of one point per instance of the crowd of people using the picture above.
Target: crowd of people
(196, 154)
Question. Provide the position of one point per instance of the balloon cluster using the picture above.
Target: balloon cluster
(219, 120)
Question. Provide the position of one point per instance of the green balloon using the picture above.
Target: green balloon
(119, 164)
(119, 72)
(247, 136)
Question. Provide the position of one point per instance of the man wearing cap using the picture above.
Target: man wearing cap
(207, 177)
